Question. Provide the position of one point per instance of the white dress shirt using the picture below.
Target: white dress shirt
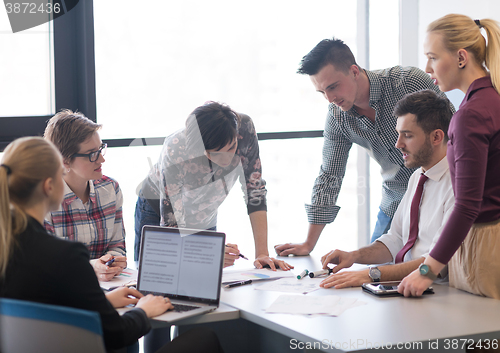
(435, 207)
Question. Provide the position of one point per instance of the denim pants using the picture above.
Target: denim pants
(144, 215)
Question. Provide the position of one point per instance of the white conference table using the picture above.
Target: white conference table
(412, 324)
(427, 324)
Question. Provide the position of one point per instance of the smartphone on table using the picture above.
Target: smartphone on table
(387, 289)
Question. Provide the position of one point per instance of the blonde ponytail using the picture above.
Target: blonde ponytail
(5, 221)
(492, 59)
(461, 32)
(26, 162)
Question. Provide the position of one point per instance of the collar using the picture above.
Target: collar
(480, 83)
(375, 88)
(70, 196)
(35, 224)
(437, 171)
(375, 92)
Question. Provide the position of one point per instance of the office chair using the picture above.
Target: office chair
(33, 327)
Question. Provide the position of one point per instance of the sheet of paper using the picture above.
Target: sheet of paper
(123, 278)
(291, 285)
(332, 305)
(253, 274)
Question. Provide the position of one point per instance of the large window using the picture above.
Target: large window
(384, 53)
(26, 70)
(45, 69)
(151, 72)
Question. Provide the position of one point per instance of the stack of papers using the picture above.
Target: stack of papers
(253, 274)
(330, 305)
(292, 285)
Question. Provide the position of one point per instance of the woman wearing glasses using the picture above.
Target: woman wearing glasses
(91, 211)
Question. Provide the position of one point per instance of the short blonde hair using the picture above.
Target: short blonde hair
(68, 129)
(461, 32)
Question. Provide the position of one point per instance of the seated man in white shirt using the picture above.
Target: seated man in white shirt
(422, 126)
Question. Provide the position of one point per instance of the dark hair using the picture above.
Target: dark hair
(68, 129)
(328, 51)
(216, 123)
(432, 111)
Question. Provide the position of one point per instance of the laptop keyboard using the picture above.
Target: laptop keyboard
(182, 307)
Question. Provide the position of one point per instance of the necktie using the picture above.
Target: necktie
(415, 206)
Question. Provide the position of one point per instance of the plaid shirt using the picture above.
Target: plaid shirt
(98, 224)
(342, 129)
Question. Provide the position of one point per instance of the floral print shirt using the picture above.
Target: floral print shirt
(191, 188)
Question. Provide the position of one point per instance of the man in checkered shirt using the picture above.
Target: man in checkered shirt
(360, 111)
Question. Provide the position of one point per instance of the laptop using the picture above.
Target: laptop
(184, 265)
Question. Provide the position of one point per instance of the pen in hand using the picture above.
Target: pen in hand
(108, 263)
(240, 254)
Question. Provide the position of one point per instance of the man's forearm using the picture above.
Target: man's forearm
(313, 235)
(375, 253)
(399, 271)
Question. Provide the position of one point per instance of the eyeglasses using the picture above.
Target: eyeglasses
(93, 156)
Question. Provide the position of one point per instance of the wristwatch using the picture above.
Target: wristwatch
(426, 271)
(374, 273)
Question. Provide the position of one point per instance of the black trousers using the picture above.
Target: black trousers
(199, 339)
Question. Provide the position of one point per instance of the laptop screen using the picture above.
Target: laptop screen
(181, 263)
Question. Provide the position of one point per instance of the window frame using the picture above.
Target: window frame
(75, 89)
(74, 74)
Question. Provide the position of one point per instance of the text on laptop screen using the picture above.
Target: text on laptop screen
(182, 265)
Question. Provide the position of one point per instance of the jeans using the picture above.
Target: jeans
(382, 226)
(144, 215)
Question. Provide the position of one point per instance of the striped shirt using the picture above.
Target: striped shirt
(98, 223)
(342, 129)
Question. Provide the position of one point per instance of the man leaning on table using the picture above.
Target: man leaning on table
(422, 126)
(360, 112)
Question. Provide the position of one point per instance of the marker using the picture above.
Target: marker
(303, 274)
(320, 273)
(110, 262)
(237, 284)
(240, 254)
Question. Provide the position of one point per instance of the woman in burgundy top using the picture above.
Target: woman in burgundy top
(458, 58)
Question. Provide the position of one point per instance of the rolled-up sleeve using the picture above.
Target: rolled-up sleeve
(254, 186)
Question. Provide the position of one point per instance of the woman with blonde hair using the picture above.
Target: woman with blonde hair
(31, 184)
(460, 57)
